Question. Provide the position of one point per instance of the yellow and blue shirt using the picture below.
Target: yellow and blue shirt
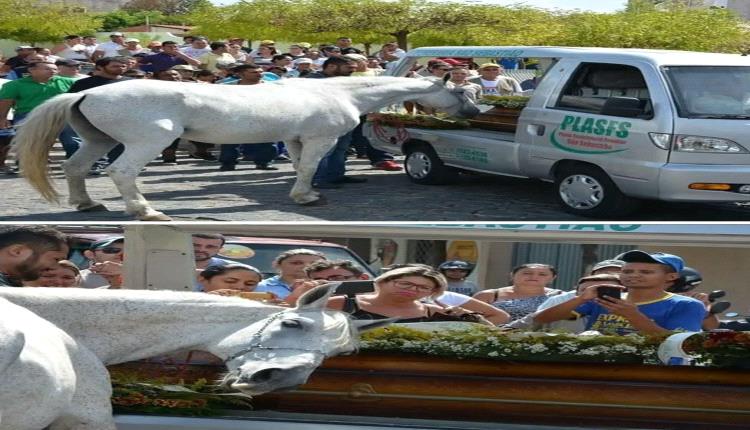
(671, 312)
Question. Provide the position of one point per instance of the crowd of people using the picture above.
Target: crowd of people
(34, 75)
(638, 292)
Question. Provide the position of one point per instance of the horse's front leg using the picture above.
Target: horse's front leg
(313, 150)
(91, 405)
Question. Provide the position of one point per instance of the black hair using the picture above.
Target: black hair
(216, 45)
(320, 265)
(211, 236)
(530, 265)
(211, 271)
(40, 238)
(103, 62)
(336, 61)
(71, 36)
(169, 42)
(279, 57)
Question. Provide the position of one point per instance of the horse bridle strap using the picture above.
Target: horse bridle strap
(255, 342)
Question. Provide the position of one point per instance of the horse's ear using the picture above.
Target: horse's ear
(317, 298)
(364, 325)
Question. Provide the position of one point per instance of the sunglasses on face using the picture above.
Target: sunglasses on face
(406, 285)
(110, 250)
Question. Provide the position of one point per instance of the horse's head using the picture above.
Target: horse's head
(281, 351)
(454, 102)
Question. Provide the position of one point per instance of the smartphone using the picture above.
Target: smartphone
(352, 288)
(253, 295)
(613, 292)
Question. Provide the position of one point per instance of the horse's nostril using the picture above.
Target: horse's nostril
(264, 375)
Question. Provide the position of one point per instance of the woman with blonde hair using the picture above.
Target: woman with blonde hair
(401, 293)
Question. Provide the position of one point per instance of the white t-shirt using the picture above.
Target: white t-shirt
(75, 52)
(109, 48)
(90, 279)
(194, 52)
(450, 298)
(576, 326)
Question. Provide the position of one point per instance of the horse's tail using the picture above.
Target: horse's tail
(35, 137)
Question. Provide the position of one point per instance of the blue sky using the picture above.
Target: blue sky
(593, 5)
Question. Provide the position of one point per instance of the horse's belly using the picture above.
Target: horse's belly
(234, 137)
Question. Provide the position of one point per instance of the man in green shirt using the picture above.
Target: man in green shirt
(27, 93)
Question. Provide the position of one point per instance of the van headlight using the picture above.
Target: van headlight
(707, 144)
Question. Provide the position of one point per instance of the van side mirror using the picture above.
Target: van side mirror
(629, 107)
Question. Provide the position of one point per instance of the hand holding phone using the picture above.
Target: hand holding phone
(610, 291)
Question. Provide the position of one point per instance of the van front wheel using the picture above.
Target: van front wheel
(424, 166)
(587, 191)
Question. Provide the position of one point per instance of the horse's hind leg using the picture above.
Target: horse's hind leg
(127, 167)
(313, 150)
(77, 167)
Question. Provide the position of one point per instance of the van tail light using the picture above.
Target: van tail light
(685, 143)
(661, 140)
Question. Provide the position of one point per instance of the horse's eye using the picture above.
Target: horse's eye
(291, 324)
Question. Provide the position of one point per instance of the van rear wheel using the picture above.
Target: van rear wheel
(424, 166)
(586, 190)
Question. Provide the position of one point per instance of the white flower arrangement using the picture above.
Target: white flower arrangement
(486, 342)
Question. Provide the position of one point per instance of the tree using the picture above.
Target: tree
(252, 20)
(120, 18)
(714, 30)
(167, 7)
(34, 23)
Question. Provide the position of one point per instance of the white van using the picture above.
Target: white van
(608, 126)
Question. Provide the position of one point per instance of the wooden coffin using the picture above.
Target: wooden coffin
(411, 386)
(497, 119)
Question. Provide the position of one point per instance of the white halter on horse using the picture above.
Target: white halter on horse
(147, 116)
(265, 347)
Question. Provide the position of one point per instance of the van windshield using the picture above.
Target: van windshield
(721, 92)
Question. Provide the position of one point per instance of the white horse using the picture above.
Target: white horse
(146, 116)
(46, 377)
(265, 347)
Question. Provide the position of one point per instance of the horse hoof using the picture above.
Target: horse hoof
(96, 208)
(321, 201)
(155, 217)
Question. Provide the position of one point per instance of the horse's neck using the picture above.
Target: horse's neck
(119, 329)
(368, 98)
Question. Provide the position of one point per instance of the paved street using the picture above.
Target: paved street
(197, 190)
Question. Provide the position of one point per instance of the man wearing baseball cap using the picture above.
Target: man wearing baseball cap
(647, 308)
(607, 266)
(105, 263)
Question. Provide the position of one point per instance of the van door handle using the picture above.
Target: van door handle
(539, 129)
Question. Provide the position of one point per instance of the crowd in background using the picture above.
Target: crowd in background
(34, 75)
(637, 292)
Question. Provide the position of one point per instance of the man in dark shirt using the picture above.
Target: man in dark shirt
(330, 173)
(108, 70)
(19, 60)
(169, 57)
(27, 250)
